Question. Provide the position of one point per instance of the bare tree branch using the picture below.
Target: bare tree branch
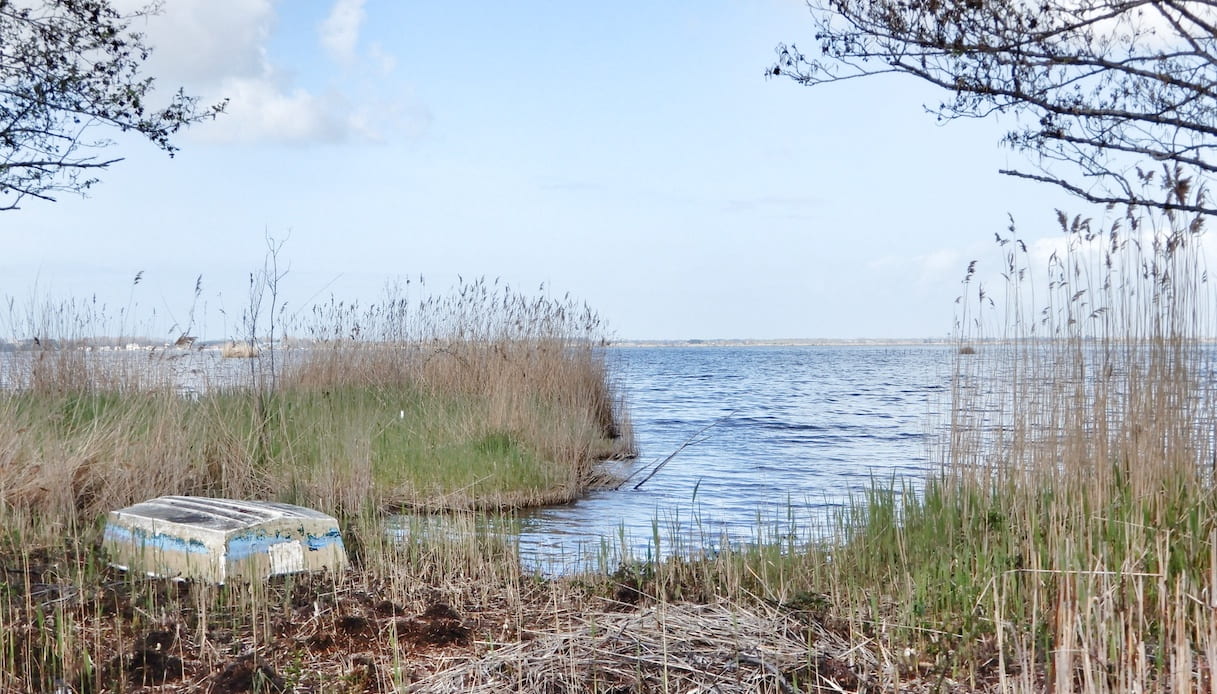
(1105, 86)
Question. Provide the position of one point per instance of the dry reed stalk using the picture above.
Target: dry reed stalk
(668, 647)
(1081, 449)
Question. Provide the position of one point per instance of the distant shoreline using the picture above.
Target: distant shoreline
(790, 342)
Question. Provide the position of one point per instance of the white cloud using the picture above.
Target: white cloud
(218, 49)
(384, 62)
(203, 42)
(261, 111)
(340, 30)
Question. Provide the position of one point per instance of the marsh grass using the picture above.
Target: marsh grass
(238, 350)
(483, 399)
(1069, 540)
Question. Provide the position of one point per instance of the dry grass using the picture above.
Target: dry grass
(667, 647)
(442, 403)
(1070, 541)
(430, 610)
(67, 457)
(238, 350)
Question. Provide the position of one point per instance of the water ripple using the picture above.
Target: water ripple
(794, 429)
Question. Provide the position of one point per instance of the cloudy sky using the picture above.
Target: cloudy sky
(631, 154)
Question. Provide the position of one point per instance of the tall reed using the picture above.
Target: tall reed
(517, 377)
(482, 398)
(1070, 539)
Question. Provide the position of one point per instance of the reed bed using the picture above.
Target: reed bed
(1069, 541)
(510, 394)
(238, 350)
(482, 399)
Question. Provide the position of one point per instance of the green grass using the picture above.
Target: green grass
(481, 399)
(347, 446)
(421, 446)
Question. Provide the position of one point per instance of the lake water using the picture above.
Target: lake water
(793, 432)
(787, 434)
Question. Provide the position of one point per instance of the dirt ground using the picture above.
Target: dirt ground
(325, 633)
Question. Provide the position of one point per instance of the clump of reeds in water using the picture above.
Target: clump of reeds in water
(1070, 540)
(482, 398)
(239, 350)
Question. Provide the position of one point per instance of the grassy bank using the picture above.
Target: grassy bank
(482, 399)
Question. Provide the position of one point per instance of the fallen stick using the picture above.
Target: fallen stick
(688, 442)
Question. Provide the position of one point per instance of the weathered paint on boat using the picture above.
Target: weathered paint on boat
(219, 540)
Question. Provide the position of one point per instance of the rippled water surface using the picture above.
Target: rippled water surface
(795, 431)
(792, 432)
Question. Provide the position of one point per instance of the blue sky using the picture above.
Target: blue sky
(631, 154)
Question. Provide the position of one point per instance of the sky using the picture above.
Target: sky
(630, 154)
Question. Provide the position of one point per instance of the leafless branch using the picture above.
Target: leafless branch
(1108, 85)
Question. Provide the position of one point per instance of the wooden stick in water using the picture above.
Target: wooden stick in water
(694, 439)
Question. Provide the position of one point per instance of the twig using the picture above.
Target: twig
(688, 442)
(777, 674)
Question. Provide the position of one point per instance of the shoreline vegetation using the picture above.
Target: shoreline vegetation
(1067, 542)
(482, 399)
